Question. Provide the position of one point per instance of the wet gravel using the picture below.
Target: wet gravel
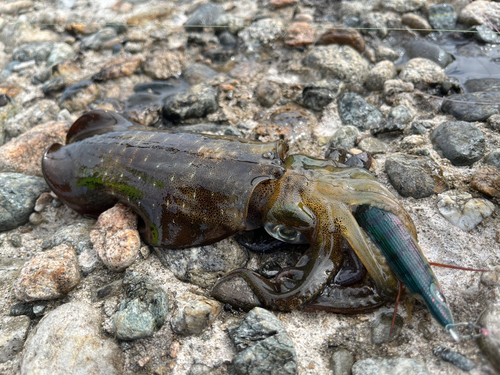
(413, 82)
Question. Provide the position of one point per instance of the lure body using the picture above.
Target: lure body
(195, 189)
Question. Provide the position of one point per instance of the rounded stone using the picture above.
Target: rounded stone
(460, 142)
(476, 106)
(401, 114)
(345, 137)
(490, 343)
(356, 111)
(493, 158)
(318, 95)
(422, 73)
(428, 50)
(442, 16)
(267, 93)
(380, 73)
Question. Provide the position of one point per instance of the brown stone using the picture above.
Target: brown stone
(487, 181)
(299, 34)
(149, 15)
(24, 153)
(76, 28)
(164, 64)
(10, 89)
(343, 37)
(122, 67)
(48, 275)
(417, 23)
(283, 3)
(246, 71)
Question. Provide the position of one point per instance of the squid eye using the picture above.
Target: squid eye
(285, 234)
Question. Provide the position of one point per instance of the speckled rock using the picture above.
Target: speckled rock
(373, 146)
(48, 275)
(42, 112)
(164, 64)
(356, 111)
(389, 366)
(194, 314)
(104, 39)
(387, 126)
(318, 95)
(77, 97)
(36, 51)
(490, 343)
(197, 101)
(456, 359)
(341, 62)
(341, 362)
(471, 107)
(197, 73)
(263, 345)
(413, 176)
(261, 33)
(403, 6)
(245, 72)
(381, 327)
(442, 16)
(23, 154)
(65, 339)
(422, 73)
(13, 332)
(400, 114)
(487, 34)
(76, 235)
(236, 292)
(267, 93)
(122, 67)
(349, 37)
(60, 52)
(428, 50)
(144, 309)
(374, 24)
(462, 210)
(487, 181)
(493, 158)
(18, 194)
(479, 12)
(203, 265)
(345, 137)
(380, 73)
(205, 15)
(460, 142)
(115, 237)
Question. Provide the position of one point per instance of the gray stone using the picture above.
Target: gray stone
(36, 51)
(482, 84)
(477, 106)
(43, 111)
(380, 73)
(76, 235)
(387, 126)
(261, 33)
(400, 114)
(236, 292)
(341, 362)
(205, 15)
(428, 50)
(456, 359)
(143, 311)
(77, 97)
(340, 62)
(18, 194)
(194, 314)
(230, 23)
(60, 52)
(263, 345)
(403, 6)
(64, 341)
(389, 366)
(13, 332)
(442, 17)
(197, 101)
(490, 343)
(493, 158)
(197, 73)
(422, 73)
(413, 176)
(460, 142)
(318, 95)
(344, 138)
(381, 328)
(462, 210)
(487, 34)
(103, 38)
(374, 24)
(356, 111)
(373, 146)
(267, 93)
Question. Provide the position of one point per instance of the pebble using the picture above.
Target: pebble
(143, 311)
(341, 62)
(104, 39)
(36, 51)
(299, 34)
(457, 359)
(122, 67)
(267, 93)
(381, 327)
(403, 6)
(9, 110)
(245, 72)
(318, 95)
(379, 74)
(418, 128)
(479, 12)
(15, 6)
(197, 101)
(494, 122)
(344, 138)
(415, 176)
(356, 111)
(442, 16)
(487, 34)
(462, 210)
(493, 158)
(236, 292)
(60, 52)
(197, 73)
(261, 33)
(374, 24)
(487, 181)
(88, 260)
(205, 15)
(69, 336)
(348, 37)
(194, 314)
(460, 142)
(476, 106)
(373, 146)
(422, 73)
(115, 237)
(232, 23)
(22, 308)
(77, 97)
(48, 275)
(164, 64)
(13, 333)
(428, 50)
(42, 112)
(401, 114)
(387, 127)
(263, 346)
(18, 194)
(417, 23)
(76, 235)
(489, 343)
(341, 362)
(389, 366)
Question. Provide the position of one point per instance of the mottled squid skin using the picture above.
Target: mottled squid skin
(194, 189)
